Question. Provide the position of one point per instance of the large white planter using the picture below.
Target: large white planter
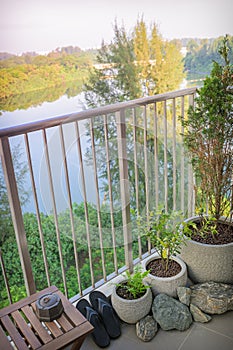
(207, 262)
(167, 285)
(131, 311)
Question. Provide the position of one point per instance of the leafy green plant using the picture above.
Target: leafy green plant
(134, 284)
(166, 232)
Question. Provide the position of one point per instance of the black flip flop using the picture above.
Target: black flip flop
(110, 319)
(99, 334)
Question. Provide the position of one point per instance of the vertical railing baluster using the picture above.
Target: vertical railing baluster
(136, 176)
(124, 185)
(174, 151)
(79, 148)
(46, 151)
(110, 193)
(17, 216)
(156, 156)
(182, 160)
(70, 207)
(146, 160)
(37, 207)
(97, 198)
(165, 157)
(191, 190)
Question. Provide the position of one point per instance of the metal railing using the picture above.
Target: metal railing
(130, 158)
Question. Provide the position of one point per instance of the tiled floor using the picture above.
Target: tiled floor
(215, 335)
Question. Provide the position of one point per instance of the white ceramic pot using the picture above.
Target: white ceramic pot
(208, 262)
(131, 311)
(167, 285)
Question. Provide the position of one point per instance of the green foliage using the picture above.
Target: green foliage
(135, 65)
(164, 232)
(12, 260)
(208, 225)
(21, 75)
(134, 283)
(209, 137)
(201, 54)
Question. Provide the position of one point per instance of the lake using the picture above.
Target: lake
(63, 105)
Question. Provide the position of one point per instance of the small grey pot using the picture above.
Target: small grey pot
(131, 311)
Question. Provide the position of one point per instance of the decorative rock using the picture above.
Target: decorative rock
(212, 297)
(146, 328)
(170, 313)
(184, 295)
(198, 315)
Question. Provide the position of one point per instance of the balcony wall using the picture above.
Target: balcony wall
(87, 176)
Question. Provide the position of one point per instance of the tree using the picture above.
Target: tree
(135, 65)
(117, 80)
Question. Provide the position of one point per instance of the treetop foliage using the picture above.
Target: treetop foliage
(138, 64)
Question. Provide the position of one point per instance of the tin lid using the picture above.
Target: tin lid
(48, 301)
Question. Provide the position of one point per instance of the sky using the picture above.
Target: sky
(44, 25)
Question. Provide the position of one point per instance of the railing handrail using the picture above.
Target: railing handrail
(89, 113)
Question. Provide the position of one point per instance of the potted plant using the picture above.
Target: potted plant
(208, 138)
(166, 270)
(132, 298)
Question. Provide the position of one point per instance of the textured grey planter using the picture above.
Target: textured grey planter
(167, 285)
(131, 311)
(207, 262)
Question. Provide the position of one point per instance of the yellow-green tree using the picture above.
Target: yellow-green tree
(135, 65)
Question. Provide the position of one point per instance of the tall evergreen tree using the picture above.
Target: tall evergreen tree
(136, 65)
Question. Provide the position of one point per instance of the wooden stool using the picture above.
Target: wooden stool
(21, 328)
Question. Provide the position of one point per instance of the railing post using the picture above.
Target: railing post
(16, 214)
(124, 187)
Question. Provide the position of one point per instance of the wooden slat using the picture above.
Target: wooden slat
(26, 330)
(76, 317)
(69, 337)
(54, 329)
(4, 342)
(64, 323)
(36, 324)
(14, 334)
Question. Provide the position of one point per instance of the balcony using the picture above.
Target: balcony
(86, 176)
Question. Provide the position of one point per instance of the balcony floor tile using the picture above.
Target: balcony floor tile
(215, 335)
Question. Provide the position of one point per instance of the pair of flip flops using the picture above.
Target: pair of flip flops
(102, 316)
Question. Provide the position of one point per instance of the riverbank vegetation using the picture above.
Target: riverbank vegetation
(201, 53)
(31, 72)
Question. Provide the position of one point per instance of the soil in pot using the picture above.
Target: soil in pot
(156, 268)
(125, 294)
(224, 235)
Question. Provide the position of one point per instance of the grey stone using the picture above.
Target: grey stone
(212, 297)
(146, 328)
(170, 313)
(184, 295)
(198, 315)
